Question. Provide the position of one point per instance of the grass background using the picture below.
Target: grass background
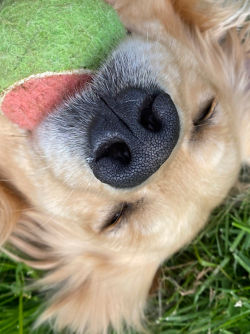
(205, 288)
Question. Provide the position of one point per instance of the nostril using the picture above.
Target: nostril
(131, 135)
(148, 118)
(118, 151)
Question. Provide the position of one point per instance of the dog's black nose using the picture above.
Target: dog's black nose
(131, 135)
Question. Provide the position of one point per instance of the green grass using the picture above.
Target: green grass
(205, 288)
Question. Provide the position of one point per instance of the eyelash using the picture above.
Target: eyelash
(206, 113)
(116, 218)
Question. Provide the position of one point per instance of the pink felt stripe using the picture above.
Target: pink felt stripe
(28, 103)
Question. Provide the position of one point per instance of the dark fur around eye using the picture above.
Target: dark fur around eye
(206, 113)
(116, 217)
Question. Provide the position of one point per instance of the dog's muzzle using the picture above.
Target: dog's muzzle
(131, 135)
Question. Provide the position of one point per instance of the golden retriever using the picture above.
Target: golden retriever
(126, 172)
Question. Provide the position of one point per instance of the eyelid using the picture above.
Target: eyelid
(207, 112)
(116, 218)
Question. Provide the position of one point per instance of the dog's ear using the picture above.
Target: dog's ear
(236, 64)
(245, 124)
(154, 18)
(97, 295)
(93, 288)
(11, 207)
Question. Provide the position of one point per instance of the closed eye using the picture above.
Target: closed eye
(116, 218)
(206, 113)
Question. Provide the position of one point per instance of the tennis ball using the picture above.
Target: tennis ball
(47, 49)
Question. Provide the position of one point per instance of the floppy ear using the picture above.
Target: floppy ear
(11, 207)
(99, 296)
(144, 16)
(152, 18)
(245, 124)
(92, 289)
(236, 48)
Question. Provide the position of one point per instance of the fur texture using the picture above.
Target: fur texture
(54, 210)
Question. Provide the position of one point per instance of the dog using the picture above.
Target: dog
(125, 173)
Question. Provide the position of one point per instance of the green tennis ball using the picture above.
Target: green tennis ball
(38, 36)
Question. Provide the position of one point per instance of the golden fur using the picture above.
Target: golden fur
(102, 278)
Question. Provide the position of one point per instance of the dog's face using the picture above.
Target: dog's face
(149, 146)
(132, 167)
